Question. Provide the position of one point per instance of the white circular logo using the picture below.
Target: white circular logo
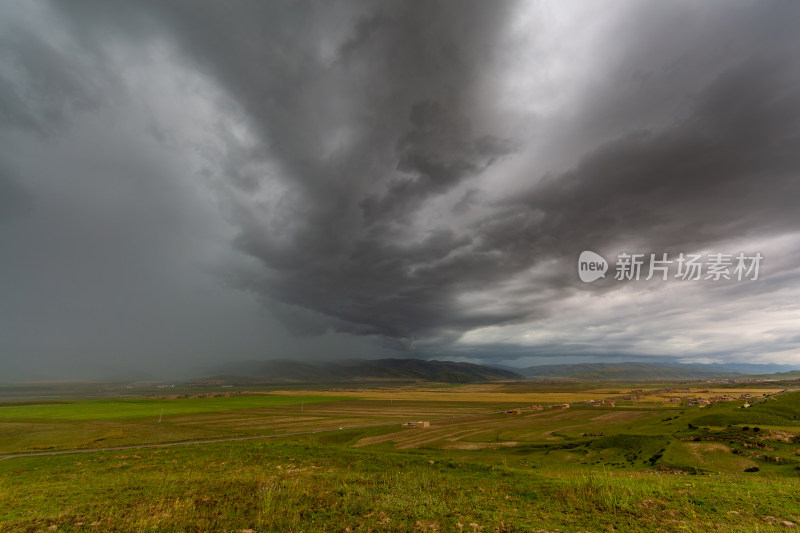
(591, 266)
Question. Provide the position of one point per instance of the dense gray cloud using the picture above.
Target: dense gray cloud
(394, 177)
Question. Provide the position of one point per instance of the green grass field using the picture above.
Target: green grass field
(312, 485)
(105, 409)
(639, 467)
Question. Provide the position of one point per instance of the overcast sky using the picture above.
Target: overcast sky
(184, 183)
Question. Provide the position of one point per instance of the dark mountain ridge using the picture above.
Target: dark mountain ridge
(352, 369)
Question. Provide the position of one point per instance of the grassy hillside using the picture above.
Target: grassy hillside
(780, 410)
(313, 485)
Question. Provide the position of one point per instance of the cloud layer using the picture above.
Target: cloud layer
(399, 177)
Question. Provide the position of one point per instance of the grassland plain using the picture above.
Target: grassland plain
(207, 418)
(645, 466)
(312, 484)
(117, 408)
(31, 426)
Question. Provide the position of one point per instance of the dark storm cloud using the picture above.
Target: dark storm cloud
(438, 154)
(367, 112)
(41, 85)
(727, 169)
(422, 173)
(397, 85)
(15, 200)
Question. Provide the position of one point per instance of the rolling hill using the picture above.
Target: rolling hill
(358, 369)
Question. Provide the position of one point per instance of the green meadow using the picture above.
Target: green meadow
(309, 484)
(639, 467)
(105, 409)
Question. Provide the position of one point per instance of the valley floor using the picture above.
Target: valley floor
(643, 466)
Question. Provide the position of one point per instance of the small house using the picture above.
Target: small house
(417, 424)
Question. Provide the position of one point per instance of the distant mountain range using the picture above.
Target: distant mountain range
(400, 369)
(278, 370)
(652, 371)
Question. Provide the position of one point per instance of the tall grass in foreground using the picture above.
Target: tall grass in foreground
(307, 486)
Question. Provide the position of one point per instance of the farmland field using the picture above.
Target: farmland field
(643, 464)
